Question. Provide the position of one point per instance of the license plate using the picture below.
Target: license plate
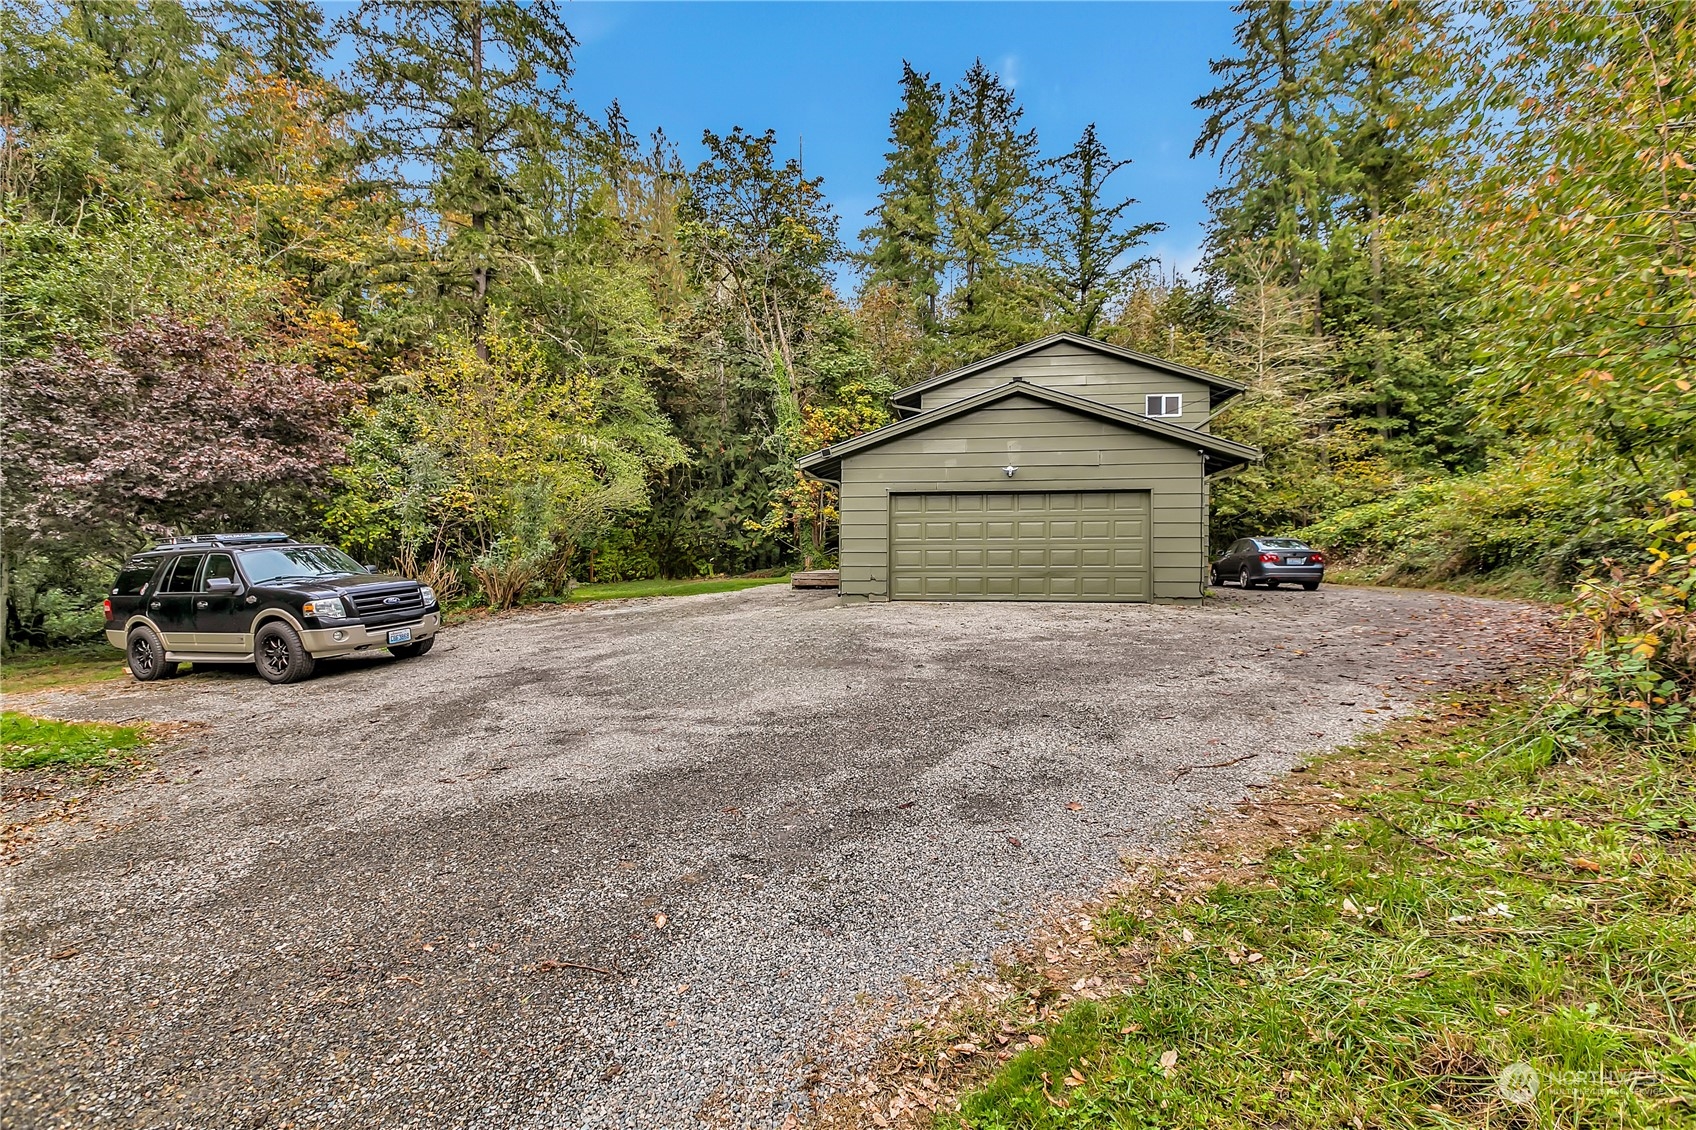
(400, 635)
(1295, 561)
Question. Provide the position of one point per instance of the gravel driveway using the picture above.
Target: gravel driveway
(622, 864)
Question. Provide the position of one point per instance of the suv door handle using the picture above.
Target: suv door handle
(200, 604)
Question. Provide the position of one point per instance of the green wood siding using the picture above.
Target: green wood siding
(1019, 545)
(1084, 372)
(1055, 450)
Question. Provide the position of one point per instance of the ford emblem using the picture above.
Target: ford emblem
(391, 600)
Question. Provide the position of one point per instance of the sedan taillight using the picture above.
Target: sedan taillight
(1316, 559)
(1270, 558)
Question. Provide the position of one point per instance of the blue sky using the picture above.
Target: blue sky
(830, 72)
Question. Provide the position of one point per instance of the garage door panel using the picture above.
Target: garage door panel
(1021, 545)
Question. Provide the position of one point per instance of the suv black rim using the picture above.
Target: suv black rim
(142, 659)
(275, 655)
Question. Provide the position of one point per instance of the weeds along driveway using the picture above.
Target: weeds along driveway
(627, 865)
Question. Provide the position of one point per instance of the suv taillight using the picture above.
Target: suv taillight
(107, 605)
(1270, 558)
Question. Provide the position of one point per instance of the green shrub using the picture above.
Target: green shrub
(1530, 518)
(1638, 671)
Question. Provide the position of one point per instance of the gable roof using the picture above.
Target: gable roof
(1219, 453)
(1222, 389)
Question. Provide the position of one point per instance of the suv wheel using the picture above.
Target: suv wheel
(146, 652)
(411, 650)
(279, 654)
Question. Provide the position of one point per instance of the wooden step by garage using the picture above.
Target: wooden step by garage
(816, 579)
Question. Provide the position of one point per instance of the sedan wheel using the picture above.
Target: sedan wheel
(1242, 579)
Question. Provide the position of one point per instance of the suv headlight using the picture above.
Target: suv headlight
(428, 594)
(330, 608)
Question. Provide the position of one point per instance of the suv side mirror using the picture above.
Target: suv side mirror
(221, 584)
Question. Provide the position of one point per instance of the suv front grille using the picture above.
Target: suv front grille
(385, 602)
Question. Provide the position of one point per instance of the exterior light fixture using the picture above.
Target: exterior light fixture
(1010, 469)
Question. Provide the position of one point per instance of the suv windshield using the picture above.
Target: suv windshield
(1283, 543)
(263, 566)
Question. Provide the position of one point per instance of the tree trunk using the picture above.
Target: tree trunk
(479, 206)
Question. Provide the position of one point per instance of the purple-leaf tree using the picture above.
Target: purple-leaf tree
(182, 428)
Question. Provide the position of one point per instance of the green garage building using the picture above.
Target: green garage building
(1066, 469)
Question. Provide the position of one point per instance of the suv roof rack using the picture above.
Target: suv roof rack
(271, 537)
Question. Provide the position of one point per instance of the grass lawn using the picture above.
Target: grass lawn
(31, 743)
(1490, 898)
(26, 671)
(627, 590)
(1506, 584)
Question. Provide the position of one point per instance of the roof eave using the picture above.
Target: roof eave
(1228, 452)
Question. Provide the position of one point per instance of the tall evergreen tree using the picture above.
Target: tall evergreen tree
(1265, 121)
(465, 92)
(1085, 242)
(993, 189)
(283, 37)
(906, 234)
(1389, 113)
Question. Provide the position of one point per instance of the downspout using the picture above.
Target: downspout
(1206, 489)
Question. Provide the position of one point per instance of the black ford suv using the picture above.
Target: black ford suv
(264, 599)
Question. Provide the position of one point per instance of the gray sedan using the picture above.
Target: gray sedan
(1270, 562)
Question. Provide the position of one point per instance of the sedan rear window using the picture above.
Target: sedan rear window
(1283, 543)
(263, 566)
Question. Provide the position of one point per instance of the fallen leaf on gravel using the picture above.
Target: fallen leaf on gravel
(683, 988)
(1015, 841)
(661, 920)
(68, 951)
(1074, 806)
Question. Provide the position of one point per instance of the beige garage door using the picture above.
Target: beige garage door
(1020, 545)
